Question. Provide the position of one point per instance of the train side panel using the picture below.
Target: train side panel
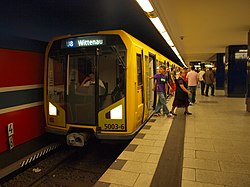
(138, 109)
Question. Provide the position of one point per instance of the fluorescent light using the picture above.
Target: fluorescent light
(116, 113)
(170, 43)
(175, 51)
(243, 50)
(209, 65)
(182, 61)
(167, 38)
(145, 5)
(158, 24)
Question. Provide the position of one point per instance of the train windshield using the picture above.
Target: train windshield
(86, 77)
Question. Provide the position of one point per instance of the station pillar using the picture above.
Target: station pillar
(236, 71)
(248, 85)
(248, 76)
(220, 71)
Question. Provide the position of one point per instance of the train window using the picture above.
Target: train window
(56, 77)
(117, 84)
(139, 69)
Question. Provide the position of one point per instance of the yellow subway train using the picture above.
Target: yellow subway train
(97, 83)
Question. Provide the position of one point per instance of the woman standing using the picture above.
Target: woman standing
(181, 95)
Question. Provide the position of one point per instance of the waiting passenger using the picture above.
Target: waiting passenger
(209, 80)
(193, 79)
(201, 79)
(181, 95)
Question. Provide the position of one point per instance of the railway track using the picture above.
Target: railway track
(69, 166)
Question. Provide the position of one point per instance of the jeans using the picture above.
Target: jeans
(207, 89)
(162, 102)
(202, 87)
(192, 89)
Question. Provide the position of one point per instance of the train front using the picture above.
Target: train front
(84, 88)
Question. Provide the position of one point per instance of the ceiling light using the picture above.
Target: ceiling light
(209, 65)
(158, 24)
(152, 15)
(167, 38)
(243, 50)
(175, 50)
(145, 5)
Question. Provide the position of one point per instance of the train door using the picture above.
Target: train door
(150, 71)
(153, 96)
(81, 89)
(140, 98)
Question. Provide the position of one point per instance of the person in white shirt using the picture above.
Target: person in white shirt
(192, 78)
(201, 80)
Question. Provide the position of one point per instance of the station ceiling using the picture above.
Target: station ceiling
(199, 29)
(202, 28)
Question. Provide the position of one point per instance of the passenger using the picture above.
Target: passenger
(167, 73)
(171, 79)
(181, 95)
(192, 78)
(185, 74)
(209, 80)
(201, 80)
(160, 84)
(173, 71)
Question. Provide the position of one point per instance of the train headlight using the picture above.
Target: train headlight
(115, 113)
(52, 109)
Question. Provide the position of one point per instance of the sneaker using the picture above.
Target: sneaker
(170, 116)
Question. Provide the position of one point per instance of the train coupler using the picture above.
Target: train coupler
(77, 139)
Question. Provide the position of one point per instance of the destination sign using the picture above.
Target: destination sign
(83, 41)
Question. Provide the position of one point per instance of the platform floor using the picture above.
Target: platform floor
(210, 148)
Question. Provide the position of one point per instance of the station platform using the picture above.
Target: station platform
(210, 148)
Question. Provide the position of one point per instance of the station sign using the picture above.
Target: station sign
(83, 42)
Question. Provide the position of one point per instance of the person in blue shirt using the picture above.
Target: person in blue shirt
(160, 85)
